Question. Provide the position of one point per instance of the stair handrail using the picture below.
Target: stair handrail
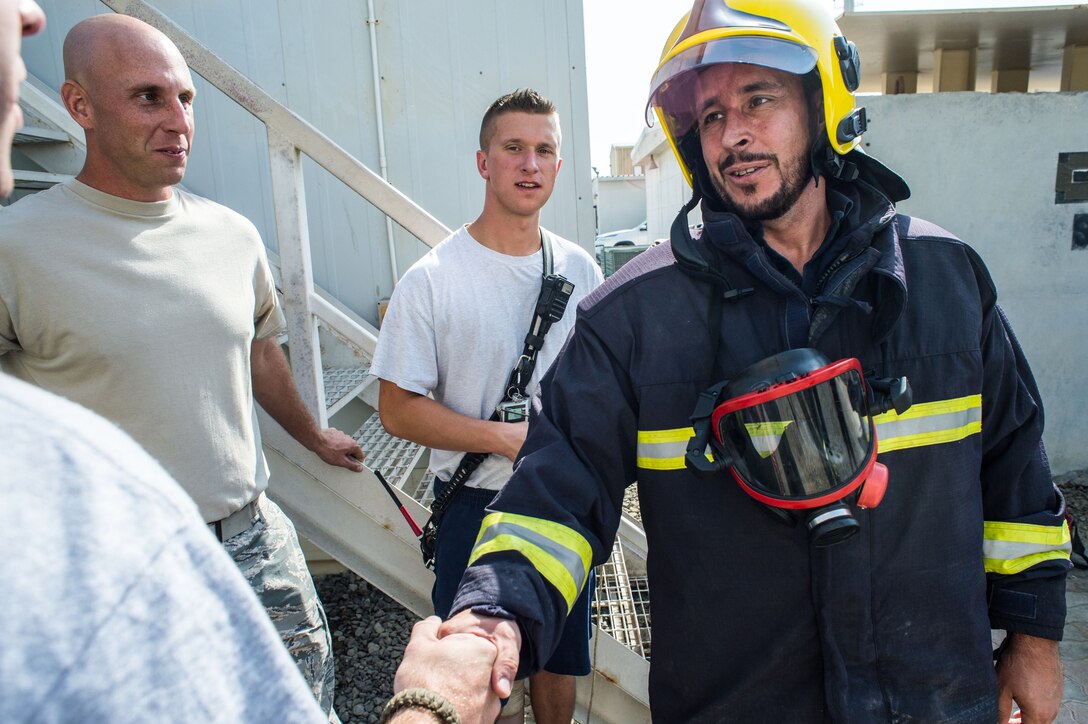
(289, 135)
(315, 144)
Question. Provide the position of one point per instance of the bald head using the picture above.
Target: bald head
(99, 45)
(129, 88)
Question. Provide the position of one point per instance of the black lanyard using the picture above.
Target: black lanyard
(551, 304)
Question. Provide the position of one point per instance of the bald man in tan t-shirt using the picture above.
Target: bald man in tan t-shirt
(156, 308)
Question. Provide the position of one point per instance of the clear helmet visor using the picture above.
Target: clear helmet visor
(801, 444)
(672, 87)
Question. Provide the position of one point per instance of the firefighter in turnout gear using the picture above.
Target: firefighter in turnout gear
(802, 248)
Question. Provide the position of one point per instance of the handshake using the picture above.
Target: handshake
(455, 671)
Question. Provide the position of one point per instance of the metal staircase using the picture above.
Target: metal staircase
(48, 149)
(348, 515)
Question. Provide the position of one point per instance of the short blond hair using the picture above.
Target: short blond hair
(523, 100)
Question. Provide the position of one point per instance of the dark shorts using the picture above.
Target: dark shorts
(457, 535)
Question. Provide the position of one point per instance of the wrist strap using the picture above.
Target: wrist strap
(418, 698)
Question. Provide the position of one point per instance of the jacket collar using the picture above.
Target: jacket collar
(872, 246)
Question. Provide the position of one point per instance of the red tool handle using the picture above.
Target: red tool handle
(400, 506)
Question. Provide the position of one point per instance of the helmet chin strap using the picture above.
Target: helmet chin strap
(825, 162)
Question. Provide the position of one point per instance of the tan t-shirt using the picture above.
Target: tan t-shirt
(145, 313)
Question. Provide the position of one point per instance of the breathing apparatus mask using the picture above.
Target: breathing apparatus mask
(796, 433)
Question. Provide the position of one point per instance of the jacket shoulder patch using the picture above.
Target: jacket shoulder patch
(910, 227)
(654, 258)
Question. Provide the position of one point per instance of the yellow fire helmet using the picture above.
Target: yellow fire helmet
(795, 36)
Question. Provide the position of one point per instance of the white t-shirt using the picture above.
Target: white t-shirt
(457, 322)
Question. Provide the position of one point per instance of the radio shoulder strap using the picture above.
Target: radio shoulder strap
(546, 252)
(516, 386)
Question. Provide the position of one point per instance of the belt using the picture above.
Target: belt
(239, 521)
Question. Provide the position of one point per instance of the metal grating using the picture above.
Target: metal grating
(640, 598)
(424, 492)
(341, 381)
(393, 456)
(621, 607)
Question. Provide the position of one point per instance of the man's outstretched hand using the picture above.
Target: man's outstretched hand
(458, 666)
(503, 633)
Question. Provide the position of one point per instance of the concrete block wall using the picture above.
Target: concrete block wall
(984, 167)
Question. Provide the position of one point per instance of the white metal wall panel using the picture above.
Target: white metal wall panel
(445, 63)
(986, 172)
(621, 203)
(441, 65)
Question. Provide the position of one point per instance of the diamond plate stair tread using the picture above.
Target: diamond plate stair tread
(341, 381)
(393, 456)
(424, 493)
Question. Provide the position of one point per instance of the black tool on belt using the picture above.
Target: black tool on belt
(555, 292)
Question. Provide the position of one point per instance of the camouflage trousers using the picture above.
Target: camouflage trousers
(271, 559)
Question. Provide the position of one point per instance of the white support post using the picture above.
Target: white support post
(293, 235)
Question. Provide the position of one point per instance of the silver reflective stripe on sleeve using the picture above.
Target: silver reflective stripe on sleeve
(560, 554)
(1013, 547)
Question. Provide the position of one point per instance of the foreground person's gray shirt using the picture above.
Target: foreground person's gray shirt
(117, 603)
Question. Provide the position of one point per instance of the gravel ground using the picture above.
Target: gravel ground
(369, 633)
(370, 630)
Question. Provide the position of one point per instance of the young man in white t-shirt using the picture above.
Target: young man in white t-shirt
(454, 329)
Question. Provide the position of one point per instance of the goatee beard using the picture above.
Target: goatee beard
(795, 178)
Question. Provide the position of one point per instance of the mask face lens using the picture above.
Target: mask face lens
(800, 444)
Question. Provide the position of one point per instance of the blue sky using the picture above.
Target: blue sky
(623, 45)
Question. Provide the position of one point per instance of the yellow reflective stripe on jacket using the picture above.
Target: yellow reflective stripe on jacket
(663, 449)
(557, 552)
(1014, 547)
(929, 423)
